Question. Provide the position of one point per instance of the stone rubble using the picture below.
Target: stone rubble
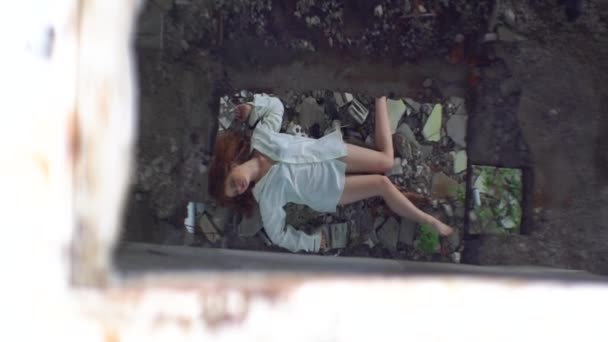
(357, 111)
(457, 105)
(388, 234)
(443, 186)
(432, 128)
(342, 99)
(396, 110)
(415, 106)
(294, 129)
(311, 113)
(460, 161)
(457, 129)
(209, 229)
(250, 226)
(407, 229)
(339, 235)
(226, 115)
(455, 257)
(397, 168)
(417, 163)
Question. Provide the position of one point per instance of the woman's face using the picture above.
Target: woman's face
(237, 181)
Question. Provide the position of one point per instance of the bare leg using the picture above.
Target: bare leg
(365, 160)
(361, 187)
(382, 129)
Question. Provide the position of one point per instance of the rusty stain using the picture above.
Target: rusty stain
(111, 335)
(162, 319)
(218, 311)
(223, 302)
(184, 323)
(74, 137)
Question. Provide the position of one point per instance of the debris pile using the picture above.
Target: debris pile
(496, 200)
(430, 161)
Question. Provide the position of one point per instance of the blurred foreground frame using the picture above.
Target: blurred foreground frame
(68, 139)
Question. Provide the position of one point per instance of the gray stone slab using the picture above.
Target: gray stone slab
(415, 106)
(389, 234)
(310, 113)
(407, 229)
(397, 168)
(459, 104)
(396, 110)
(339, 234)
(457, 129)
(250, 226)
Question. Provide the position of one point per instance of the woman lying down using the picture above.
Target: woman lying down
(274, 169)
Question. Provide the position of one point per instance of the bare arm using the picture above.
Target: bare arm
(268, 110)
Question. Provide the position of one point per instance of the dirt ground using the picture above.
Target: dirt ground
(535, 104)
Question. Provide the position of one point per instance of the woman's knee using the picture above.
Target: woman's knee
(386, 164)
(384, 183)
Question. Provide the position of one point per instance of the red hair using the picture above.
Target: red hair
(230, 147)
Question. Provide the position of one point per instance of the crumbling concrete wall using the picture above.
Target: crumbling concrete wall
(47, 166)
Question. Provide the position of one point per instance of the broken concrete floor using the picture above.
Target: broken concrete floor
(308, 113)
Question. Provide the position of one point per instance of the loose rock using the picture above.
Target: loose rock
(407, 228)
(296, 130)
(310, 113)
(425, 151)
(447, 209)
(389, 234)
(250, 226)
(459, 105)
(509, 16)
(396, 109)
(342, 99)
(397, 168)
(378, 11)
(457, 129)
(454, 240)
(226, 115)
(415, 106)
(209, 230)
(221, 216)
(357, 111)
(339, 234)
(432, 128)
(405, 142)
(490, 37)
(443, 186)
(460, 161)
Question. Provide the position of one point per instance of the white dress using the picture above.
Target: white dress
(307, 171)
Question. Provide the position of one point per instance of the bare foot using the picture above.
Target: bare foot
(443, 229)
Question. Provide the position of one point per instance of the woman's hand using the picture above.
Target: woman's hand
(242, 111)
